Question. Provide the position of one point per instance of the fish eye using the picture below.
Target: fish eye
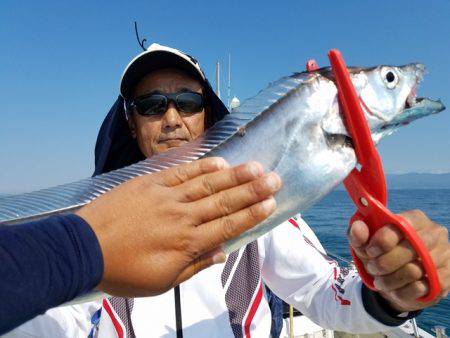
(390, 77)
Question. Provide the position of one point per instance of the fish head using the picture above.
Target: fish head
(322, 148)
(388, 96)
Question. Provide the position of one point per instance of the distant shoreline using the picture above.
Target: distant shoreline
(341, 188)
(416, 181)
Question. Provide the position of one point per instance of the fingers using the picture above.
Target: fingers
(358, 234)
(384, 240)
(409, 293)
(216, 232)
(208, 184)
(388, 250)
(444, 278)
(402, 254)
(185, 172)
(398, 273)
(234, 199)
(215, 256)
(413, 290)
(407, 274)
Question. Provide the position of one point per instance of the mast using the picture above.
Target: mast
(218, 79)
(229, 80)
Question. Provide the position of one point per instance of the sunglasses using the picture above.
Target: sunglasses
(157, 104)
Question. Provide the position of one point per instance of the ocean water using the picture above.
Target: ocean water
(329, 219)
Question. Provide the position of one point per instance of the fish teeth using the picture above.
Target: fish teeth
(411, 100)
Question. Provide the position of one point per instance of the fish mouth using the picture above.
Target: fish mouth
(415, 108)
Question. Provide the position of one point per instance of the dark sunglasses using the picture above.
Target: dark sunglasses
(157, 104)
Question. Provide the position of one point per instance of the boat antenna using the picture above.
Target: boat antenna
(218, 79)
(141, 43)
(229, 80)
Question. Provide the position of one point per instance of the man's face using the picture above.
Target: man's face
(156, 134)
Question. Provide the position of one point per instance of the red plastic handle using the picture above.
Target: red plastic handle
(355, 120)
(376, 215)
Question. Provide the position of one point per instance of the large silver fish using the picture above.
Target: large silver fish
(293, 127)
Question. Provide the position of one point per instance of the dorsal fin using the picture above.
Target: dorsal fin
(271, 94)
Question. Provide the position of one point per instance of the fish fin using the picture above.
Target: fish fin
(270, 95)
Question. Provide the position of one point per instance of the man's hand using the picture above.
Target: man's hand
(390, 259)
(158, 230)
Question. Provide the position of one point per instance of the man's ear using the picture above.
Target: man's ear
(132, 125)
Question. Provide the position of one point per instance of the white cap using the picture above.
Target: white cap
(157, 57)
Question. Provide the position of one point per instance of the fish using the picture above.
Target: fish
(293, 127)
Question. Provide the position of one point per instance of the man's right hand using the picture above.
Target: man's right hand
(158, 230)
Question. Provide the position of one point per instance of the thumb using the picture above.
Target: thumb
(358, 234)
(212, 257)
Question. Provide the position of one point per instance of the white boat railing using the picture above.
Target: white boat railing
(440, 331)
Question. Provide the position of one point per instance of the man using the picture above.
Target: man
(168, 103)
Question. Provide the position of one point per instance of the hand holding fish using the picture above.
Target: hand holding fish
(158, 230)
(390, 259)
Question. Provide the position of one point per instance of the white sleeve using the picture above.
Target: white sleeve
(297, 270)
(72, 321)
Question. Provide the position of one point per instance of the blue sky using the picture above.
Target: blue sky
(61, 61)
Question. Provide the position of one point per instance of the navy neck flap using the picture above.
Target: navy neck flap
(116, 148)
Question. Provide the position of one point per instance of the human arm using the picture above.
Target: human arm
(297, 270)
(151, 233)
(43, 264)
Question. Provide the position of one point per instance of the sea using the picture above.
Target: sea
(329, 219)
